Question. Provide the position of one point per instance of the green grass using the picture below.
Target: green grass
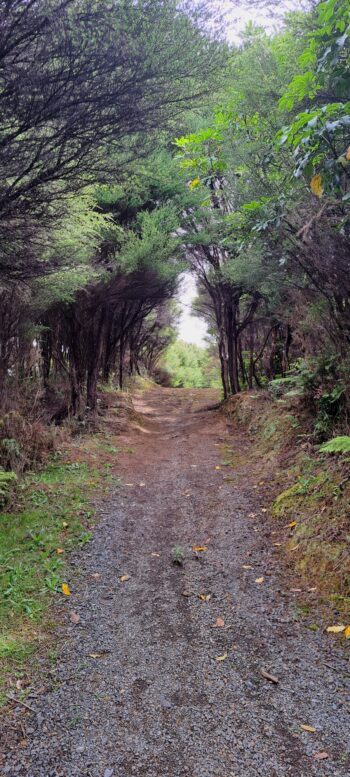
(52, 512)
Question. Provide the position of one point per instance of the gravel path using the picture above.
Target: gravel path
(138, 688)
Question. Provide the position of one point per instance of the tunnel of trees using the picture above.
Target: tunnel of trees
(136, 144)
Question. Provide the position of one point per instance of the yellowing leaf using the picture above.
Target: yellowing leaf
(347, 632)
(204, 597)
(222, 658)
(259, 580)
(316, 185)
(310, 729)
(193, 184)
(199, 548)
(124, 578)
(291, 525)
(65, 589)
(336, 629)
(59, 551)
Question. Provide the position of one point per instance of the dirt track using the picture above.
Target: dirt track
(155, 701)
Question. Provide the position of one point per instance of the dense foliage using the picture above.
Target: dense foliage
(134, 144)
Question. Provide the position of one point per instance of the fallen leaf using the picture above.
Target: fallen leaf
(74, 617)
(268, 676)
(219, 623)
(247, 566)
(204, 597)
(347, 632)
(124, 578)
(321, 756)
(277, 544)
(264, 510)
(310, 729)
(65, 589)
(95, 655)
(199, 548)
(59, 551)
(335, 629)
(291, 525)
(222, 658)
(217, 467)
(259, 580)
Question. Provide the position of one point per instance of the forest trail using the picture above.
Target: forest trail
(145, 683)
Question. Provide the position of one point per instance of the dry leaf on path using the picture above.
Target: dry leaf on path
(217, 467)
(65, 589)
(222, 658)
(321, 756)
(335, 629)
(96, 655)
(259, 580)
(59, 551)
(309, 729)
(199, 548)
(124, 578)
(204, 597)
(219, 623)
(291, 525)
(277, 544)
(74, 617)
(270, 677)
(347, 632)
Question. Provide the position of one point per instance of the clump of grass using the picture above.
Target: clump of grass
(178, 555)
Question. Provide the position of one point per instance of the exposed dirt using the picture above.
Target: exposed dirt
(138, 688)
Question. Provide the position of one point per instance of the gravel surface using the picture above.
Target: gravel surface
(138, 688)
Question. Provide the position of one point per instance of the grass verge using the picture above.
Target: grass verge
(51, 515)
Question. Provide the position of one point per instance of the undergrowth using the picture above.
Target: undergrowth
(311, 487)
